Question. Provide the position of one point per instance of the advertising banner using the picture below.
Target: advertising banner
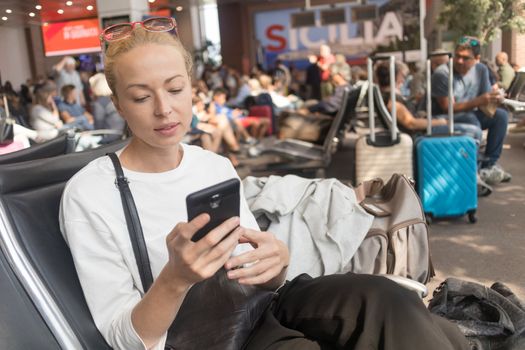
(388, 26)
(72, 37)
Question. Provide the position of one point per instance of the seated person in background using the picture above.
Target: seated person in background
(105, 114)
(211, 136)
(207, 120)
(416, 85)
(71, 112)
(406, 120)
(282, 78)
(279, 100)
(505, 70)
(66, 74)
(493, 73)
(438, 58)
(474, 103)
(44, 116)
(243, 92)
(340, 76)
(240, 123)
(209, 140)
(18, 110)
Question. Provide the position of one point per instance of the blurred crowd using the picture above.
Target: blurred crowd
(224, 116)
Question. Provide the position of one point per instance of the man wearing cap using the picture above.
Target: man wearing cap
(340, 75)
(475, 103)
(66, 74)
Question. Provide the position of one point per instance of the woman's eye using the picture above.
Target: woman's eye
(175, 91)
(140, 99)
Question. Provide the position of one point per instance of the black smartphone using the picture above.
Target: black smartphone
(220, 202)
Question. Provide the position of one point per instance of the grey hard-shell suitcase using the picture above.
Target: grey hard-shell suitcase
(381, 154)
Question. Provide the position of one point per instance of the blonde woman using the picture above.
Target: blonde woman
(44, 116)
(148, 71)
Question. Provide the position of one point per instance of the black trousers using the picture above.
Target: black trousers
(355, 312)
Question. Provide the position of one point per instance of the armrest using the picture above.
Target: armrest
(409, 284)
(514, 104)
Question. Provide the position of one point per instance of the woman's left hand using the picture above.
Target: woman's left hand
(263, 264)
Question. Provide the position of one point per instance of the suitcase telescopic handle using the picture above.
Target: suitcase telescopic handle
(450, 92)
(429, 97)
(371, 106)
(451, 95)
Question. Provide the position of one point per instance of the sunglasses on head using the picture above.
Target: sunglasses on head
(468, 40)
(123, 30)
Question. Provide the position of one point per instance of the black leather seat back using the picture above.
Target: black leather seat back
(22, 326)
(30, 193)
(62, 144)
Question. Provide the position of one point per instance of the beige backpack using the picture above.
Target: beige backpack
(397, 243)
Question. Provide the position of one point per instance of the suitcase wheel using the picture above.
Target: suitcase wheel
(472, 218)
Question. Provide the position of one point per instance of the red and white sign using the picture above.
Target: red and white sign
(72, 37)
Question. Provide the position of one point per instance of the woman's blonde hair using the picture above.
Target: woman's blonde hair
(139, 37)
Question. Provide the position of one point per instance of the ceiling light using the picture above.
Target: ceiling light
(4, 18)
(31, 14)
(38, 7)
(151, 1)
(69, 3)
(89, 8)
(179, 8)
(60, 11)
(8, 11)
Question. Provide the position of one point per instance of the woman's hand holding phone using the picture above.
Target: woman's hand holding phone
(263, 264)
(190, 262)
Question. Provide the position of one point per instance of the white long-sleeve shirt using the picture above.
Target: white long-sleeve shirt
(45, 122)
(93, 224)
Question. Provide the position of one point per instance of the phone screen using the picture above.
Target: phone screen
(220, 202)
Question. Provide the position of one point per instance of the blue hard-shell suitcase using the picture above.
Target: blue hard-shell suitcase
(446, 166)
(446, 182)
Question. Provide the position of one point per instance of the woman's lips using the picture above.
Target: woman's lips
(167, 129)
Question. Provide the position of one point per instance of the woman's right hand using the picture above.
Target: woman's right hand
(190, 262)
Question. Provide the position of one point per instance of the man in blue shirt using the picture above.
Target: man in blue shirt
(71, 112)
(474, 103)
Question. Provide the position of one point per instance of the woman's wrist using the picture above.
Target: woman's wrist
(171, 282)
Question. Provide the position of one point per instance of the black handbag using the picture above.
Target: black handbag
(217, 313)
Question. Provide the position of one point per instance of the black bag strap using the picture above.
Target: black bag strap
(134, 226)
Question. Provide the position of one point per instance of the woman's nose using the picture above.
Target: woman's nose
(162, 106)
